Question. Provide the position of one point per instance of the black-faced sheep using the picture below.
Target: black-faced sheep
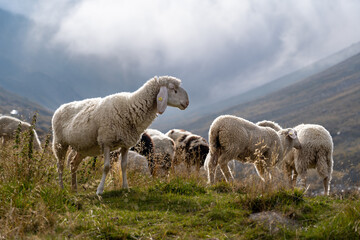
(145, 147)
(8, 127)
(164, 150)
(190, 148)
(231, 137)
(99, 125)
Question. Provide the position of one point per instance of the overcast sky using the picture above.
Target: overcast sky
(218, 48)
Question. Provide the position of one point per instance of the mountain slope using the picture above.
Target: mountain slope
(26, 109)
(34, 85)
(330, 98)
(169, 121)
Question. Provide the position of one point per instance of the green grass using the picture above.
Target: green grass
(33, 206)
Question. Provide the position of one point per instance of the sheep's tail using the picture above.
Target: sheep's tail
(214, 144)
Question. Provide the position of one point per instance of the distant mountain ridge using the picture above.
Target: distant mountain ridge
(296, 76)
(262, 90)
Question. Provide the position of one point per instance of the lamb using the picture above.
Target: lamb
(8, 127)
(99, 125)
(190, 148)
(164, 150)
(231, 137)
(316, 152)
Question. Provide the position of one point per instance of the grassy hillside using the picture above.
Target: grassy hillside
(34, 207)
(26, 109)
(330, 98)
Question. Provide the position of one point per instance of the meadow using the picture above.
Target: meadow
(174, 207)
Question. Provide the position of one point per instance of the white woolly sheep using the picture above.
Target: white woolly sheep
(164, 150)
(190, 148)
(8, 127)
(99, 125)
(231, 137)
(316, 152)
(136, 162)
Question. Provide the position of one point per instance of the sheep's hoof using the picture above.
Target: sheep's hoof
(99, 192)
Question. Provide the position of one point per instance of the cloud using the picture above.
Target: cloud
(220, 48)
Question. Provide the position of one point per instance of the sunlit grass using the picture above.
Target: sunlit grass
(173, 207)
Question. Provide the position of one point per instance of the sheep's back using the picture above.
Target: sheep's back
(314, 136)
(8, 125)
(233, 132)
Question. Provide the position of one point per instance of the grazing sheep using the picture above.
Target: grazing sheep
(231, 137)
(189, 148)
(145, 147)
(136, 162)
(174, 134)
(8, 127)
(316, 152)
(164, 150)
(99, 125)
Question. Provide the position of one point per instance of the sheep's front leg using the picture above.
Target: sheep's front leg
(326, 186)
(124, 153)
(100, 188)
(303, 179)
(291, 175)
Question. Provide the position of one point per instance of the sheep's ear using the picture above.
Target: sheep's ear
(161, 99)
(292, 133)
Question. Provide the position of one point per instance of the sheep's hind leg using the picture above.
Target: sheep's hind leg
(225, 171)
(74, 164)
(212, 163)
(326, 186)
(100, 188)
(60, 153)
(323, 169)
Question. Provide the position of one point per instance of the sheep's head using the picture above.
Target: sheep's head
(290, 136)
(171, 94)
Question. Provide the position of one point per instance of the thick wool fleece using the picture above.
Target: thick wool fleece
(116, 120)
(316, 152)
(231, 137)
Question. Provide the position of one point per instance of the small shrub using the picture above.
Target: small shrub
(272, 200)
(222, 187)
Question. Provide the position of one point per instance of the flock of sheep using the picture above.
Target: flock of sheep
(117, 127)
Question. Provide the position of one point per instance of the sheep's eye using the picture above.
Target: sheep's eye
(175, 91)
